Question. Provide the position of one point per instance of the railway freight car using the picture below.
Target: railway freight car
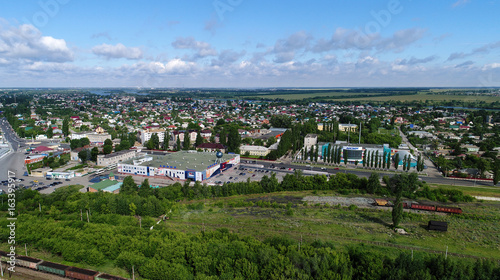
(445, 209)
(53, 268)
(105, 276)
(4, 257)
(28, 262)
(423, 207)
(81, 273)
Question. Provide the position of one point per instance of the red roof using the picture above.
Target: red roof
(42, 149)
(210, 146)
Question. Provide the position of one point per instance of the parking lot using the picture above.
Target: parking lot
(241, 173)
(42, 185)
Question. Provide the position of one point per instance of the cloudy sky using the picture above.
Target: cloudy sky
(249, 43)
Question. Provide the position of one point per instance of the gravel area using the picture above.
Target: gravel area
(343, 201)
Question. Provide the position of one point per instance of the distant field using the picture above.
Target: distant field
(296, 96)
(424, 97)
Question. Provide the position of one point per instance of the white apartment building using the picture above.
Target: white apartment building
(146, 134)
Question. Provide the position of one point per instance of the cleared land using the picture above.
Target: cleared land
(474, 233)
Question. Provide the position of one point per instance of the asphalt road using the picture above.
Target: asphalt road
(366, 173)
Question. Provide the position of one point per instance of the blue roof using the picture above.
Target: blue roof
(113, 187)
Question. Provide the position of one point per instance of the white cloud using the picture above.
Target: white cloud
(459, 3)
(203, 49)
(27, 43)
(491, 66)
(117, 51)
(344, 39)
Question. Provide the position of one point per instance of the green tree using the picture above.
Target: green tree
(21, 132)
(50, 132)
(145, 188)
(83, 155)
(178, 144)
(166, 139)
(154, 142)
(187, 141)
(107, 149)
(199, 139)
(93, 154)
(397, 209)
(233, 140)
(65, 127)
(128, 186)
(396, 161)
(84, 142)
(132, 208)
(223, 137)
(364, 158)
(496, 172)
(373, 183)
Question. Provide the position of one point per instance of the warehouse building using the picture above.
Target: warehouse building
(183, 165)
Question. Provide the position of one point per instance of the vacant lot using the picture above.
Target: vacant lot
(473, 233)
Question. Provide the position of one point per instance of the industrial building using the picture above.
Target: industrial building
(183, 165)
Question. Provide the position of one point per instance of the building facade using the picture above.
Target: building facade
(114, 158)
(147, 133)
(184, 165)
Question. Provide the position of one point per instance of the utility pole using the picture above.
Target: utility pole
(25, 250)
(133, 274)
(348, 132)
(88, 221)
(81, 215)
(359, 132)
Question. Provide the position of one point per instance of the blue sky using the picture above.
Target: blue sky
(249, 43)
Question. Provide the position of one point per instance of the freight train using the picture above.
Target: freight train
(58, 269)
(416, 206)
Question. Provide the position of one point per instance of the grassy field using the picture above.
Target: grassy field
(473, 233)
(424, 97)
(320, 93)
(473, 191)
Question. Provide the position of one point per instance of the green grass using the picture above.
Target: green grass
(473, 191)
(473, 233)
(423, 97)
(322, 93)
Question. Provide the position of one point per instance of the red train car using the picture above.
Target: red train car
(445, 209)
(81, 273)
(423, 207)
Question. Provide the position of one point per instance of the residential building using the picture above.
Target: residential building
(345, 127)
(310, 140)
(254, 150)
(114, 158)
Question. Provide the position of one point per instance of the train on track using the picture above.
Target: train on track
(417, 206)
(58, 269)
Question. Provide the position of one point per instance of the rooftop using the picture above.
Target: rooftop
(182, 160)
(104, 184)
(119, 153)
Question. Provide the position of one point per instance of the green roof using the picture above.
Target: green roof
(103, 184)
